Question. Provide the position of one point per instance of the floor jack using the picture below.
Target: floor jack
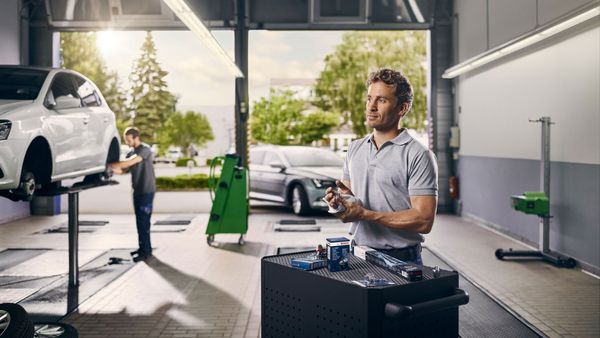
(538, 203)
(229, 212)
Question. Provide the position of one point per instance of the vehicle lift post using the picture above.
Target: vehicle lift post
(73, 221)
(73, 238)
(539, 204)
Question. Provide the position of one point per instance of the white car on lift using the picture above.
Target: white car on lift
(54, 125)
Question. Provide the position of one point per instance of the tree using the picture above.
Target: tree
(79, 52)
(151, 101)
(315, 125)
(273, 120)
(342, 88)
(185, 129)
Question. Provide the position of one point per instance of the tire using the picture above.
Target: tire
(55, 330)
(14, 322)
(300, 200)
(26, 189)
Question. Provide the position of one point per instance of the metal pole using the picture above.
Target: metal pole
(545, 182)
(241, 84)
(73, 239)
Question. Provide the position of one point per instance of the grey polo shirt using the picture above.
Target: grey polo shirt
(142, 173)
(384, 179)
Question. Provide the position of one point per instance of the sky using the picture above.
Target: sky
(200, 78)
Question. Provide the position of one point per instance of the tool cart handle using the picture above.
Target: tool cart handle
(398, 311)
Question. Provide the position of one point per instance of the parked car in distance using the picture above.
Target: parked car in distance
(173, 154)
(293, 175)
(54, 125)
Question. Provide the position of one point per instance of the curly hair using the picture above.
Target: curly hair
(403, 89)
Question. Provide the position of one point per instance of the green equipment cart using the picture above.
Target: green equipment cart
(229, 194)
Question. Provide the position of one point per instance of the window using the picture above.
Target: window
(88, 94)
(21, 84)
(62, 85)
(271, 157)
(312, 157)
(257, 157)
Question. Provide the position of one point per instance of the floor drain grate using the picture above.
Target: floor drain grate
(289, 250)
(296, 228)
(297, 221)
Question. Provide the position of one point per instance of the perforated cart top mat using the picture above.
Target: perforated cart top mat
(358, 269)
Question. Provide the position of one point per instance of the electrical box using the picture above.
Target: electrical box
(534, 203)
(454, 141)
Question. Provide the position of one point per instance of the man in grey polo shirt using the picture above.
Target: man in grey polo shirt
(392, 175)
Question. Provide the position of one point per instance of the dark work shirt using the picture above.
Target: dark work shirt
(142, 174)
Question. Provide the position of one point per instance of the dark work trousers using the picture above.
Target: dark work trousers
(408, 255)
(142, 204)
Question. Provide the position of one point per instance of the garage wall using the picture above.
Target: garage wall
(9, 32)
(10, 210)
(485, 24)
(500, 150)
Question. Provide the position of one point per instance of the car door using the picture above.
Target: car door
(95, 148)
(65, 128)
(274, 178)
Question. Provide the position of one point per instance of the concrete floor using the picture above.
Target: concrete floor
(192, 290)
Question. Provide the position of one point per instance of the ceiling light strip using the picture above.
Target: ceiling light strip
(189, 18)
(519, 44)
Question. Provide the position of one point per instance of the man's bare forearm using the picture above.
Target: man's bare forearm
(409, 220)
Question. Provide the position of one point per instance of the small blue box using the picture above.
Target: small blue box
(337, 253)
(307, 263)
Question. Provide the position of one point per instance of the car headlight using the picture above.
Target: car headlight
(4, 129)
(323, 183)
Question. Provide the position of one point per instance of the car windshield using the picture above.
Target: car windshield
(312, 157)
(21, 84)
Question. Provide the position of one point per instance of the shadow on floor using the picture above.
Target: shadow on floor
(202, 309)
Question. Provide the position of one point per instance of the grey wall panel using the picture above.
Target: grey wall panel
(486, 184)
(509, 19)
(10, 210)
(549, 10)
(472, 28)
(9, 32)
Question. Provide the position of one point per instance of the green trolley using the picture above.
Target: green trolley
(229, 194)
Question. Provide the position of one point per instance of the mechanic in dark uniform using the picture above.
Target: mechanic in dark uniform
(139, 163)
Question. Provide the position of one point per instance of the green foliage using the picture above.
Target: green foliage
(182, 162)
(151, 100)
(281, 120)
(209, 161)
(342, 88)
(185, 129)
(182, 182)
(273, 120)
(314, 126)
(80, 53)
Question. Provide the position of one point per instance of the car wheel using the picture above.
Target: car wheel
(14, 322)
(26, 188)
(300, 200)
(55, 330)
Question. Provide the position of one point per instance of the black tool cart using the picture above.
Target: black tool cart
(319, 303)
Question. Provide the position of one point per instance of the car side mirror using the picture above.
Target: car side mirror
(66, 102)
(277, 165)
